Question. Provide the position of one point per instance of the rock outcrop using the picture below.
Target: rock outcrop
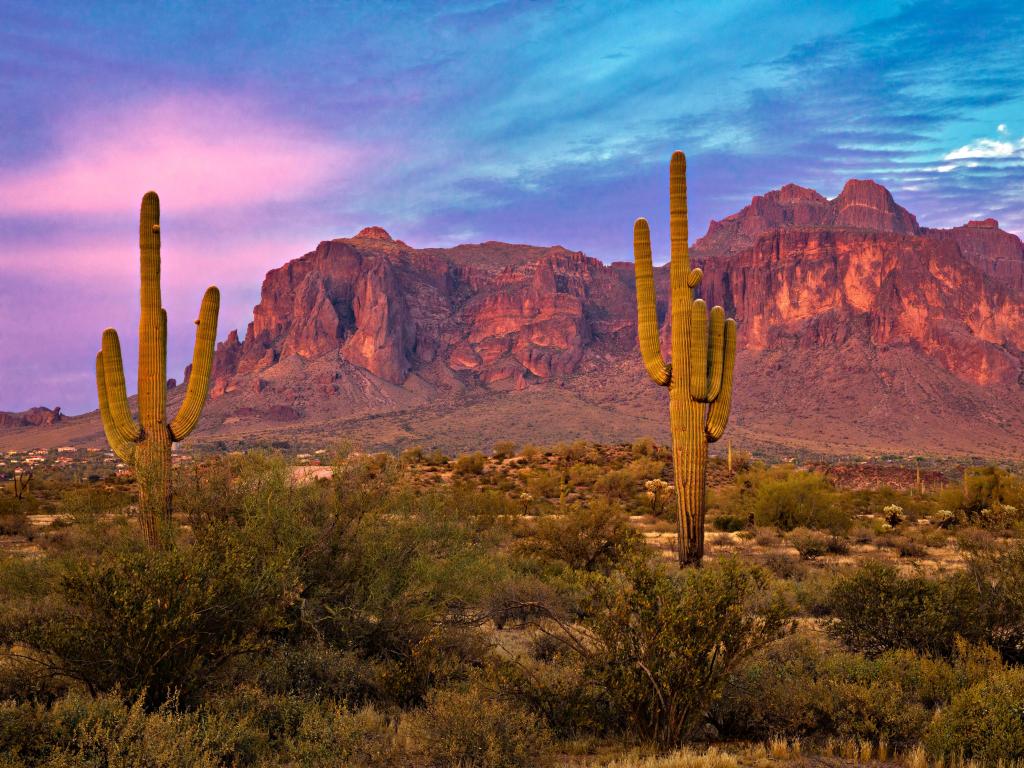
(494, 314)
(33, 417)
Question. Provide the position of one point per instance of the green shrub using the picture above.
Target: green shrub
(476, 729)
(875, 609)
(802, 688)
(983, 722)
(644, 446)
(504, 449)
(158, 623)
(998, 574)
(729, 523)
(470, 464)
(412, 455)
(798, 499)
(660, 645)
(591, 537)
(810, 544)
(85, 732)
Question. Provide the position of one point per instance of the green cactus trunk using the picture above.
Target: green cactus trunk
(700, 376)
(146, 446)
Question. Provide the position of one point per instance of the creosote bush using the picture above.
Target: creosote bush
(983, 722)
(660, 645)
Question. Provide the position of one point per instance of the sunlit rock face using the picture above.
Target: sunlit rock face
(797, 270)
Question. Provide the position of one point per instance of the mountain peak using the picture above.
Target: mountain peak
(374, 233)
(866, 204)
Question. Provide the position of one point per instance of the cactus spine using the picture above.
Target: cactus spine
(700, 375)
(146, 445)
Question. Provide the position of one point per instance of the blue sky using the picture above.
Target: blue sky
(268, 127)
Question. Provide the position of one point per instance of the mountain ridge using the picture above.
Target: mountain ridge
(859, 330)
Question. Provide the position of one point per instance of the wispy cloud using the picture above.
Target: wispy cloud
(987, 148)
(202, 152)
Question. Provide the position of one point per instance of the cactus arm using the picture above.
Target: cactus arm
(202, 364)
(120, 447)
(152, 331)
(718, 413)
(716, 348)
(117, 399)
(646, 303)
(699, 351)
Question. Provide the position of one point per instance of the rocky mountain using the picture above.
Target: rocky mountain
(860, 331)
(33, 417)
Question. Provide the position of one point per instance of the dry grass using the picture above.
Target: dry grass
(712, 758)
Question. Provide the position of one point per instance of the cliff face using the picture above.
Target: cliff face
(797, 270)
(504, 315)
(859, 266)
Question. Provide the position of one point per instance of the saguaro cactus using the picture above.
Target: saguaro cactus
(146, 445)
(699, 377)
(21, 483)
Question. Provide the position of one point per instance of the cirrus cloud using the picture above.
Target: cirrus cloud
(198, 151)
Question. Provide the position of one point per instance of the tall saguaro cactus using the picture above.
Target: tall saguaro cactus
(146, 445)
(699, 377)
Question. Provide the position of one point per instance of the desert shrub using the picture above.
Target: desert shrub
(998, 575)
(435, 458)
(644, 446)
(504, 449)
(412, 455)
(13, 521)
(87, 503)
(156, 623)
(988, 488)
(17, 508)
(798, 499)
(802, 688)
(660, 645)
(519, 599)
(810, 544)
(983, 722)
(307, 668)
(530, 452)
(105, 731)
(585, 474)
(575, 451)
(590, 537)
(618, 484)
(875, 609)
(470, 464)
(543, 484)
(333, 735)
(476, 729)
(729, 522)
(551, 683)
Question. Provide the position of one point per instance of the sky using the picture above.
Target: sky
(268, 127)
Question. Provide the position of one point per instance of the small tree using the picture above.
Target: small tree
(661, 645)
